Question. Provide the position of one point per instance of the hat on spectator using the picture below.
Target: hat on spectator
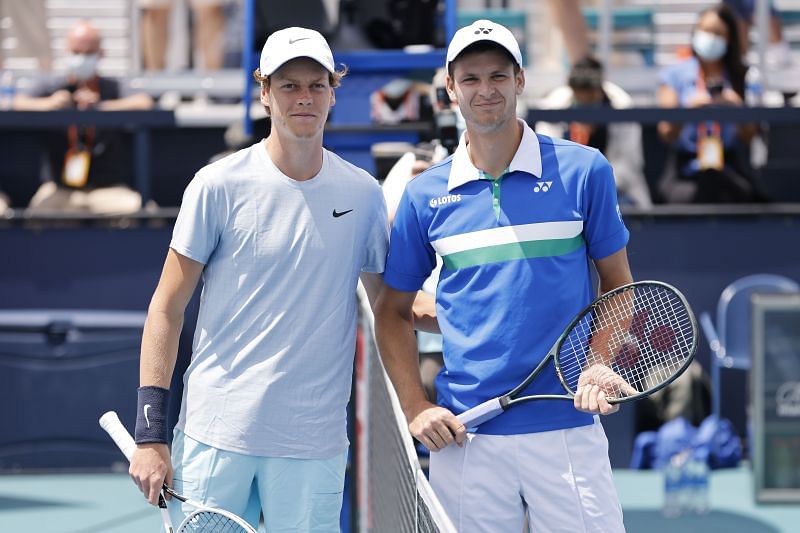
(291, 43)
(483, 30)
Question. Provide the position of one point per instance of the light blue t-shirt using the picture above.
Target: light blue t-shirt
(516, 254)
(273, 349)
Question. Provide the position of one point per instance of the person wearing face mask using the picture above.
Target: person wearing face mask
(620, 142)
(707, 163)
(87, 168)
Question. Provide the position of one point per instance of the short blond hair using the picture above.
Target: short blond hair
(334, 78)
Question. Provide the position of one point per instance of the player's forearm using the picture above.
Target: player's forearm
(159, 348)
(398, 350)
(425, 313)
(134, 102)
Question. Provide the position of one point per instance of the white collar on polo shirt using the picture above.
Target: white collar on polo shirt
(528, 158)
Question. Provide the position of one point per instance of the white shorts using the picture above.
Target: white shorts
(299, 495)
(562, 479)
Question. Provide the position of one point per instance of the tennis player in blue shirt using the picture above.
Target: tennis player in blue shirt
(518, 220)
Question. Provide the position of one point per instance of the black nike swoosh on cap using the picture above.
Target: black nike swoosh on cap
(337, 214)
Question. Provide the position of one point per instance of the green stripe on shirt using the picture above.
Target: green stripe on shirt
(512, 251)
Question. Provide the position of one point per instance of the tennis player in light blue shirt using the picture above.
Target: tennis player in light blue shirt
(280, 233)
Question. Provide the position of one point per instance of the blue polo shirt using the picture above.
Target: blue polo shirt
(516, 268)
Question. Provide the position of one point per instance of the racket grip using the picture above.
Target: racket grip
(110, 422)
(481, 413)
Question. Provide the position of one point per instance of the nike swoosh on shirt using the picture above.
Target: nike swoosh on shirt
(146, 407)
(337, 214)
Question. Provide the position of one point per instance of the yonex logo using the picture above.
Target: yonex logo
(485, 31)
(444, 200)
(542, 186)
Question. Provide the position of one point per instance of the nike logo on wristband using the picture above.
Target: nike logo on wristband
(146, 407)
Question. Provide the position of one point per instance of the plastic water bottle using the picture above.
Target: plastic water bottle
(696, 471)
(674, 483)
(699, 485)
(754, 97)
(7, 90)
(754, 87)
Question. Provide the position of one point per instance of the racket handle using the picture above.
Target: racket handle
(110, 422)
(481, 413)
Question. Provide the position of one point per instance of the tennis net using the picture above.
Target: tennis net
(393, 493)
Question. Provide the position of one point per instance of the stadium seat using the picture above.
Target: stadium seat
(790, 19)
(729, 339)
(630, 20)
(514, 20)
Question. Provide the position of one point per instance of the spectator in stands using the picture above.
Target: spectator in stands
(499, 212)
(87, 166)
(708, 163)
(5, 203)
(208, 32)
(778, 53)
(399, 100)
(689, 396)
(620, 142)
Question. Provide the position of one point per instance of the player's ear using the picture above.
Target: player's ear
(265, 94)
(449, 85)
(519, 78)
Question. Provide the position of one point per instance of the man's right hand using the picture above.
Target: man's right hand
(437, 428)
(150, 468)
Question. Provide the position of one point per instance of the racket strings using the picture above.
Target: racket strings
(209, 521)
(629, 343)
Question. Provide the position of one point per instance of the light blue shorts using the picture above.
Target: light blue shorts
(299, 495)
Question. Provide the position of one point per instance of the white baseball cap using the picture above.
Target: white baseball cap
(483, 30)
(290, 43)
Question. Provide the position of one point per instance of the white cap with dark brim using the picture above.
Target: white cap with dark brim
(483, 30)
(291, 43)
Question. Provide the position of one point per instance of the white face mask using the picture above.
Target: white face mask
(82, 66)
(708, 46)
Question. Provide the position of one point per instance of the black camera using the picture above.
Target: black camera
(442, 97)
(714, 87)
(445, 120)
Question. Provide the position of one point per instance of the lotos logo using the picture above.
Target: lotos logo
(444, 200)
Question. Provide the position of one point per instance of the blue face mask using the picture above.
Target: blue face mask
(708, 46)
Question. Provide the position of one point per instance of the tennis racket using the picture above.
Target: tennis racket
(631, 342)
(202, 519)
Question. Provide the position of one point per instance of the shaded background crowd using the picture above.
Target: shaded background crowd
(187, 57)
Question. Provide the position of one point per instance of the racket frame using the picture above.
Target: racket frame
(491, 408)
(111, 423)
